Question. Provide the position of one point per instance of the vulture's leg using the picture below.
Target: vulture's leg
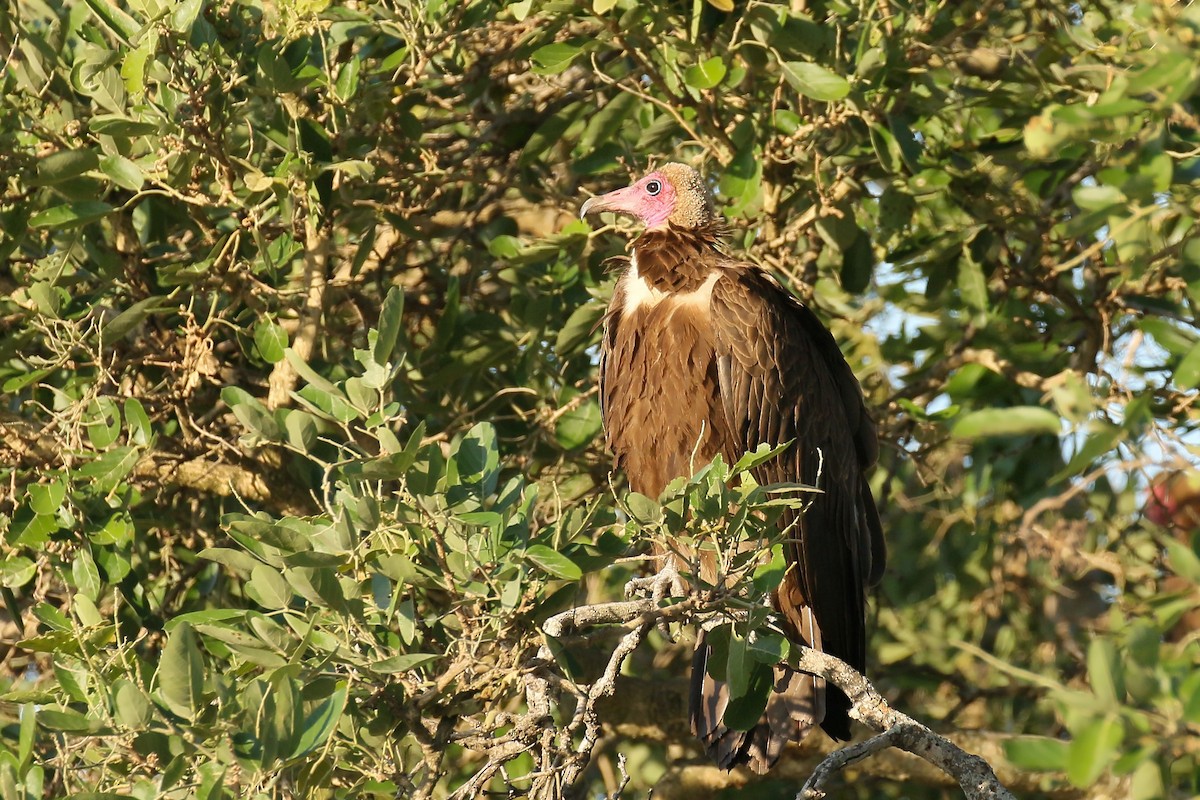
(667, 583)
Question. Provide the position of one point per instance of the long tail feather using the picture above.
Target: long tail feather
(795, 706)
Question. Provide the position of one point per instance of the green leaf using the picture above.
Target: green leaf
(71, 215)
(285, 537)
(579, 327)
(278, 719)
(45, 498)
(972, 284)
(553, 562)
(121, 24)
(234, 559)
(16, 571)
(403, 663)
(353, 168)
(1093, 751)
(554, 58)
(270, 340)
(180, 675)
(477, 457)
(390, 318)
(137, 423)
(110, 468)
(813, 80)
(123, 172)
(1187, 374)
(767, 647)
(132, 706)
(858, 264)
(27, 734)
(602, 128)
(759, 455)
(184, 14)
(129, 319)
(743, 712)
(738, 666)
(1147, 782)
(645, 510)
(31, 530)
(64, 165)
(706, 74)
(251, 412)
(579, 426)
(347, 79)
(1183, 560)
(769, 575)
(1106, 672)
(717, 643)
(85, 575)
(86, 611)
(268, 588)
(1098, 443)
(52, 617)
(311, 376)
(1013, 421)
(102, 421)
(1037, 753)
(1098, 197)
(119, 125)
(1189, 694)
(65, 721)
(301, 429)
(321, 721)
(1172, 68)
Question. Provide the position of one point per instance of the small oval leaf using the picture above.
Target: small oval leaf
(813, 80)
(553, 562)
(554, 58)
(1014, 421)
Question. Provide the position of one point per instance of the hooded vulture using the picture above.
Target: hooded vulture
(704, 354)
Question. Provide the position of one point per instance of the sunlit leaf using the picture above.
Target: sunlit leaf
(706, 74)
(554, 58)
(180, 675)
(553, 563)
(1037, 753)
(815, 81)
(123, 172)
(1106, 672)
(1092, 750)
(578, 426)
(1015, 421)
(71, 215)
(271, 340)
(321, 721)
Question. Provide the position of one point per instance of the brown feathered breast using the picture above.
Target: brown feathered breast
(703, 355)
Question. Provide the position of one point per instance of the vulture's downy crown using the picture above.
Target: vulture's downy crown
(673, 193)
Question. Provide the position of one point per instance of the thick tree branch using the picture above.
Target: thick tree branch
(654, 710)
(276, 491)
(973, 774)
(897, 730)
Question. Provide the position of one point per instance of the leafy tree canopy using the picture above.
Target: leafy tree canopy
(300, 446)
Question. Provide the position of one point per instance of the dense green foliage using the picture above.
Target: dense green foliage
(300, 444)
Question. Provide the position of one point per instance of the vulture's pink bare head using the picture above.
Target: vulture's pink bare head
(673, 193)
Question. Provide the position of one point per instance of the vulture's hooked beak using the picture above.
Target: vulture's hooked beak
(622, 201)
(589, 205)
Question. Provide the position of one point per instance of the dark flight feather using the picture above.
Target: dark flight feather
(702, 355)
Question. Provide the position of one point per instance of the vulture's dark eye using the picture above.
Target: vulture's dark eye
(653, 188)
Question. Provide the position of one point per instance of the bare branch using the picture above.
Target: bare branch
(973, 775)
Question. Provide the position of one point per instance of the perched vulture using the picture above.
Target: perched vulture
(704, 354)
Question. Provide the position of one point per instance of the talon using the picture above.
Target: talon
(667, 583)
